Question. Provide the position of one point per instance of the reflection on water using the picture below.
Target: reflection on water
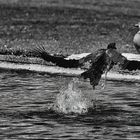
(35, 106)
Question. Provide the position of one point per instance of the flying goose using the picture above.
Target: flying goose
(101, 61)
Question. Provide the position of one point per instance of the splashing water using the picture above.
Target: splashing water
(71, 100)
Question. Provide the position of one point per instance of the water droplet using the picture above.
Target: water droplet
(71, 100)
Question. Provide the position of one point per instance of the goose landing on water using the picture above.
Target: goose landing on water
(101, 61)
(136, 38)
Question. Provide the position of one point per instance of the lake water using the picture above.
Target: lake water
(36, 106)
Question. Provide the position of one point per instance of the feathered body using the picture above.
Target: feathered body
(100, 63)
(136, 39)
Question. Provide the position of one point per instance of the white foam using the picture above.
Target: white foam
(71, 100)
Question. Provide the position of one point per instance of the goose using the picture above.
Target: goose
(101, 61)
(136, 39)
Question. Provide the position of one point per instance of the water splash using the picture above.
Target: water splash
(71, 100)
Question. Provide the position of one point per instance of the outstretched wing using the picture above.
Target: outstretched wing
(92, 57)
(59, 60)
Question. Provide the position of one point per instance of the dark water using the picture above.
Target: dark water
(34, 106)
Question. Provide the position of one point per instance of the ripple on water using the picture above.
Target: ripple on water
(38, 109)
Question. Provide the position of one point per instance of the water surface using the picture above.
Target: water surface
(30, 108)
